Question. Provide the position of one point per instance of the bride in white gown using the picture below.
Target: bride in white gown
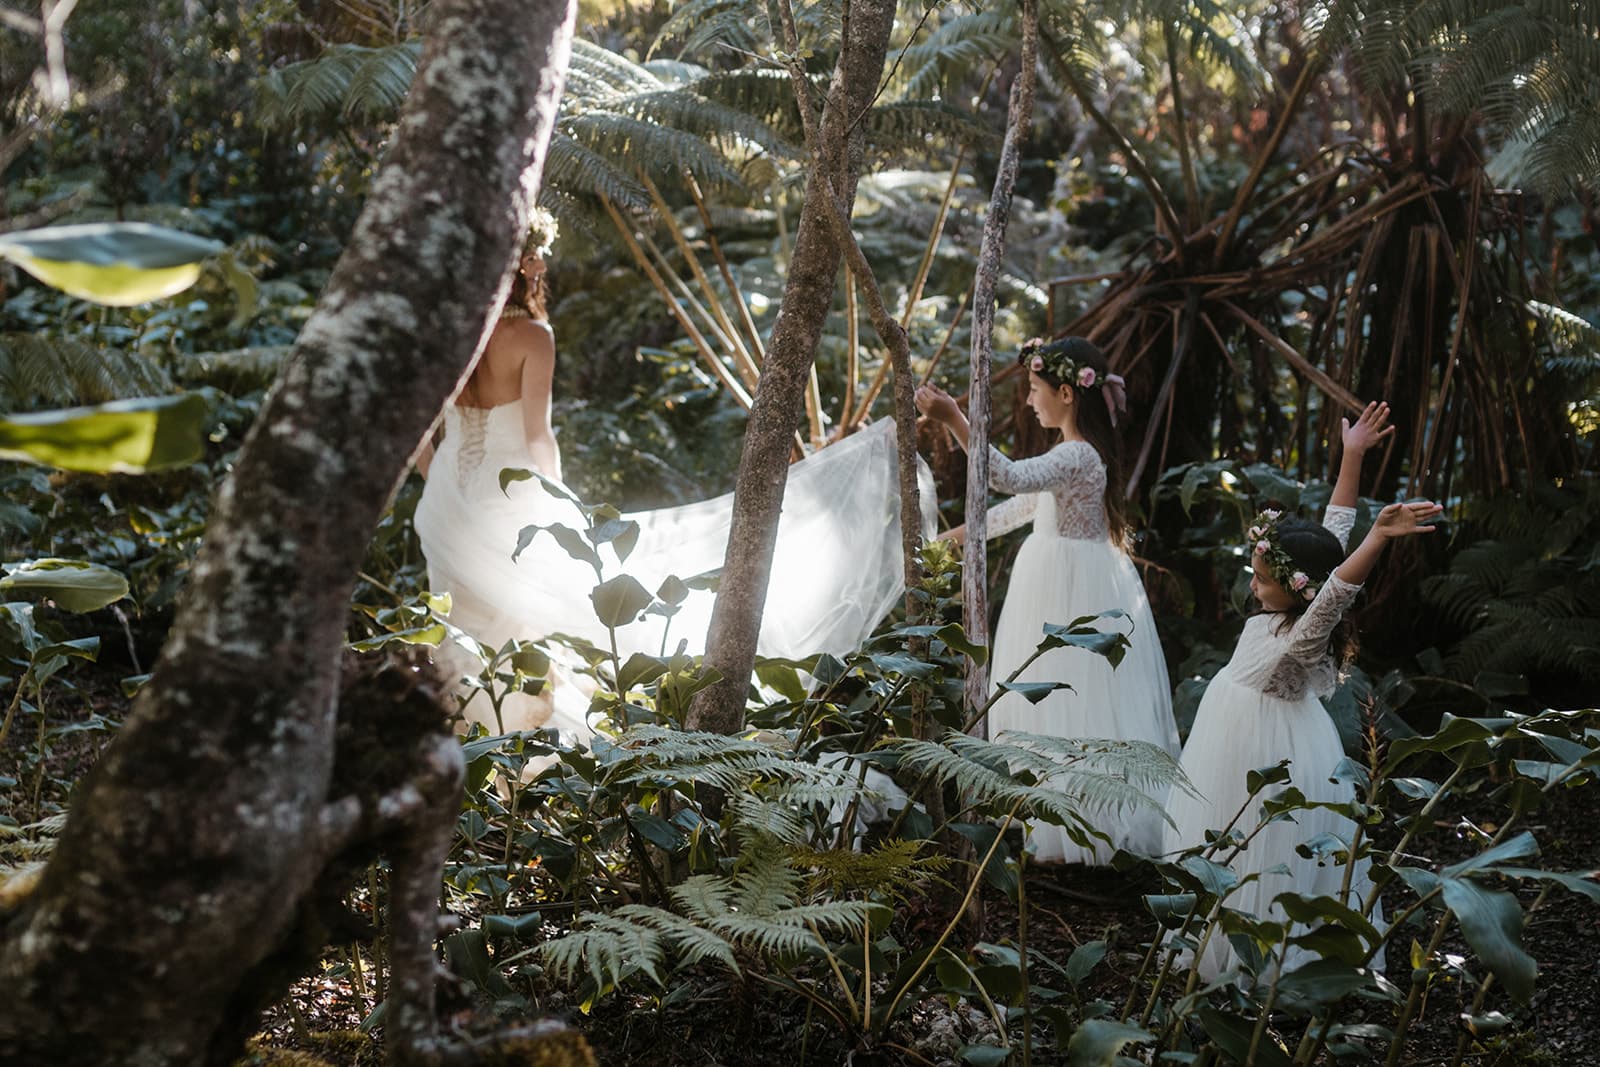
(836, 570)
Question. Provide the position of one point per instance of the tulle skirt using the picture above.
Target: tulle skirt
(1057, 580)
(1239, 729)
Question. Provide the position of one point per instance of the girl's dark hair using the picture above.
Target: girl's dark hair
(531, 296)
(1316, 551)
(1094, 419)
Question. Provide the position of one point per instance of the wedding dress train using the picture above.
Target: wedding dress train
(836, 570)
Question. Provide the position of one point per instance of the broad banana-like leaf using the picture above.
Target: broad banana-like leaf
(124, 436)
(116, 263)
(75, 585)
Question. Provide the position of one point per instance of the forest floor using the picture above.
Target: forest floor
(710, 1018)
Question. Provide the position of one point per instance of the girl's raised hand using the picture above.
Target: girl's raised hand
(937, 404)
(1401, 520)
(1371, 426)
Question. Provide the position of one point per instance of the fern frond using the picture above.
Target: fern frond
(741, 23)
(905, 128)
(683, 109)
(665, 151)
(656, 754)
(601, 66)
(573, 168)
(608, 948)
(237, 372)
(345, 80)
(38, 369)
(956, 48)
(704, 896)
(691, 943)
(780, 818)
(890, 870)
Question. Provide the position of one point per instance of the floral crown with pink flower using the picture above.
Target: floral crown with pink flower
(1263, 541)
(1054, 358)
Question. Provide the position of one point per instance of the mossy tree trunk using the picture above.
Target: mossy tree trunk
(168, 914)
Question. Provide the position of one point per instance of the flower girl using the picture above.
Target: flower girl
(1072, 564)
(1262, 707)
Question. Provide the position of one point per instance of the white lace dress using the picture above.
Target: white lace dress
(836, 567)
(1068, 568)
(1262, 707)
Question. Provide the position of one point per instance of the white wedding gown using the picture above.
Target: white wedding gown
(1262, 707)
(1068, 568)
(836, 570)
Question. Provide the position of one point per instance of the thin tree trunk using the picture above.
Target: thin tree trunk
(780, 394)
(165, 918)
(975, 573)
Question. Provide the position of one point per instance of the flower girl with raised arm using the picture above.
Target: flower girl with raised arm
(1262, 707)
(1072, 564)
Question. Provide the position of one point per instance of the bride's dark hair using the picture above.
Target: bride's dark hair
(1093, 417)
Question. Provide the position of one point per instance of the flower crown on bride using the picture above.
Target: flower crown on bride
(1263, 539)
(542, 233)
(1054, 358)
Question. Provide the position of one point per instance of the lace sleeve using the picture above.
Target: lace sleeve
(1339, 521)
(1308, 640)
(1039, 474)
(1011, 513)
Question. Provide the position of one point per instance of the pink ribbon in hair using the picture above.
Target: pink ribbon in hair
(1115, 390)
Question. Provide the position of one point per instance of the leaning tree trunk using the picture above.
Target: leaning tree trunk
(780, 393)
(194, 847)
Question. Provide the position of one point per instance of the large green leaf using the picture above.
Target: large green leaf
(1318, 984)
(619, 601)
(124, 436)
(1097, 1042)
(1492, 923)
(117, 263)
(1233, 1034)
(73, 584)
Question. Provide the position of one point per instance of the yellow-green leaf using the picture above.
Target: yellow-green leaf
(75, 585)
(116, 263)
(124, 436)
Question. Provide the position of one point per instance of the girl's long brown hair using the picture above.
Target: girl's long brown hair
(1094, 420)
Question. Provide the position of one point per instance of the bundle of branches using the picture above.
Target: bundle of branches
(1367, 279)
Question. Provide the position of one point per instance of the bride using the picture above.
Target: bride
(836, 568)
